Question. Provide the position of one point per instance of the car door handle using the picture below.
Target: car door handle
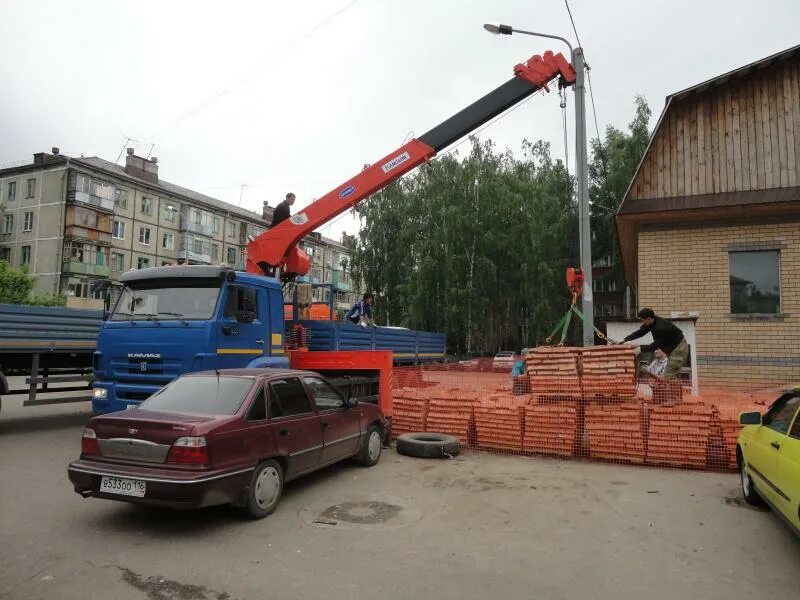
(260, 342)
(775, 445)
(285, 432)
(325, 425)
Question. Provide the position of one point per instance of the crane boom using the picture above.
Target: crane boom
(277, 247)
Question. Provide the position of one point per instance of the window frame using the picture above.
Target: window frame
(122, 262)
(143, 229)
(12, 191)
(30, 187)
(149, 211)
(8, 224)
(26, 227)
(139, 260)
(171, 240)
(121, 227)
(312, 395)
(228, 251)
(260, 392)
(312, 406)
(777, 252)
(22, 260)
(782, 401)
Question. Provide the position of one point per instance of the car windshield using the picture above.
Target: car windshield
(192, 299)
(207, 395)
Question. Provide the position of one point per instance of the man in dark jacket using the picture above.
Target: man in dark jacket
(667, 337)
(282, 211)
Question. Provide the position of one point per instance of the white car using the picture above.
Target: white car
(504, 360)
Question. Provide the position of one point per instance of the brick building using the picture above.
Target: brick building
(711, 220)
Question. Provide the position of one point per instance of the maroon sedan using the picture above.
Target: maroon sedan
(225, 437)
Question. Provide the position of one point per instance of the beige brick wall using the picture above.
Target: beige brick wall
(686, 269)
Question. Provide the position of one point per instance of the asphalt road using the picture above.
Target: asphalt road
(479, 526)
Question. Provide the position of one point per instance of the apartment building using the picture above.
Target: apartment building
(77, 221)
(331, 261)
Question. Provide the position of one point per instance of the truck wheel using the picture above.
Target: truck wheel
(428, 445)
(265, 490)
(371, 451)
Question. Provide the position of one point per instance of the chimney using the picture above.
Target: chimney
(266, 211)
(142, 168)
(43, 158)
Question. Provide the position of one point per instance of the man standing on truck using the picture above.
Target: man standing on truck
(667, 337)
(283, 210)
(361, 313)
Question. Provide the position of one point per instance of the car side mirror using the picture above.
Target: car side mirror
(750, 418)
(350, 402)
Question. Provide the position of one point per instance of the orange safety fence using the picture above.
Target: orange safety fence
(592, 403)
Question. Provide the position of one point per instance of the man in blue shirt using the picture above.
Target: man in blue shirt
(520, 381)
(361, 313)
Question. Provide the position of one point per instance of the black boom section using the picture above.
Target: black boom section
(479, 112)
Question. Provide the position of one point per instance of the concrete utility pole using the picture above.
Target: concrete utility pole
(581, 172)
(582, 177)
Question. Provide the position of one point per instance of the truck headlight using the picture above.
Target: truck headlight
(100, 393)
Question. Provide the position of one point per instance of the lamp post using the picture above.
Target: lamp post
(581, 172)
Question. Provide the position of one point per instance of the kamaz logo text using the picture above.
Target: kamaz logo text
(396, 162)
(138, 355)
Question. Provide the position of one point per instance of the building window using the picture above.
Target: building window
(755, 282)
(121, 199)
(31, 192)
(169, 212)
(231, 229)
(142, 263)
(215, 224)
(214, 252)
(117, 261)
(147, 205)
(194, 216)
(118, 230)
(144, 236)
(25, 255)
(27, 224)
(12, 190)
(232, 256)
(168, 241)
(5, 254)
(8, 224)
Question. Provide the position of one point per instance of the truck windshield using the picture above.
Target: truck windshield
(207, 395)
(159, 299)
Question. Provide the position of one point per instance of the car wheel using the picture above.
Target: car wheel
(371, 451)
(265, 490)
(748, 489)
(428, 445)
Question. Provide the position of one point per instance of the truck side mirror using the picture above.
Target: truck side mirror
(750, 418)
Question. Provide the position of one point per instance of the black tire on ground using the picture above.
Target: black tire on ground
(428, 445)
(265, 489)
(370, 452)
(749, 492)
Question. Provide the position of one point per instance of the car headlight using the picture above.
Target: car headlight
(100, 393)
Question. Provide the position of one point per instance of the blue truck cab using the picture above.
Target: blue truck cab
(174, 320)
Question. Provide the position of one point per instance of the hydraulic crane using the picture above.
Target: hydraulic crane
(276, 251)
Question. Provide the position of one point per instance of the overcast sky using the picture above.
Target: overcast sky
(298, 96)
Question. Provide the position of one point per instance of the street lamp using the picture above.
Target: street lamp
(581, 172)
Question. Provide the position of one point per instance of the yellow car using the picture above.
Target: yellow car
(768, 452)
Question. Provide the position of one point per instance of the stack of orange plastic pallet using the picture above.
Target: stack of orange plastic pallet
(550, 428)
(679, 435)
(498, 421)
(608, 372)
(450, 412)
(728, 411)
(553, 372)
(615, 432)
(410, 407)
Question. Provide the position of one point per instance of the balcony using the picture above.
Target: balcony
(76, 231)
(340, 282)
(188, 226)
(79, 268)
(97, 202)
(194, 258)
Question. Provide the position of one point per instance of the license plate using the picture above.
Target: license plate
(124, 487)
